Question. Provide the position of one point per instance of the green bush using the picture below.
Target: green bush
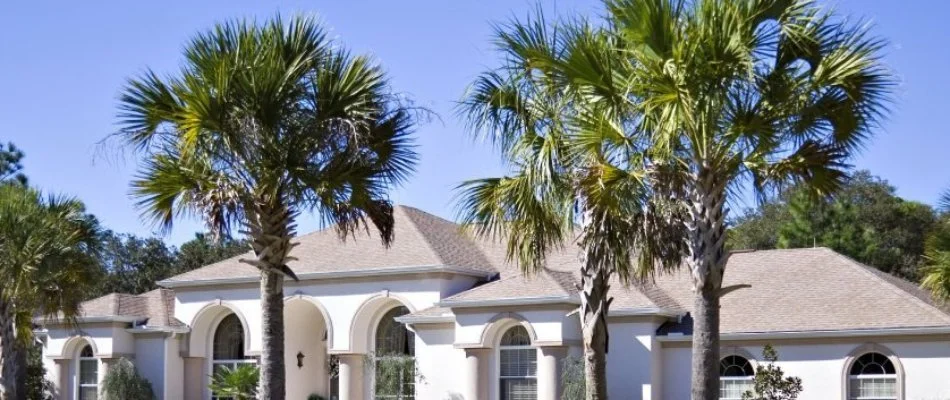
(314, 396)
(123, 382)
(771, 382)
(572, 378)
(239, 383)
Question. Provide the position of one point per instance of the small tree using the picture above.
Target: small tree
(770, 381)
(239, 383)
(123, 382)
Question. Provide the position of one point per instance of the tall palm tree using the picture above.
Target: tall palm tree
(265, 121)
(47, 262)
(642, 125)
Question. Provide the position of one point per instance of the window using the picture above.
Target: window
(518, 366)
(735, 377)
(88, 375)
(395, 358)
(872, 377)
(228, 346)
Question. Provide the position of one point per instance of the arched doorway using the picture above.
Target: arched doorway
(227, 347)
(306, 340)
(394, 358)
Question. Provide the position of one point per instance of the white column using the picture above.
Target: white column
(351, 376)
(476, 374)
(549, 367)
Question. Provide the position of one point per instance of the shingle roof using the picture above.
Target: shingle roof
(789, 290)
(420, 239)
(156, 308)
(809, 290)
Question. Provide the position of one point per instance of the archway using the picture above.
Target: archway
(307, 338)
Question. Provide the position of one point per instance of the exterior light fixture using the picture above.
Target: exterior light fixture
(300, 357)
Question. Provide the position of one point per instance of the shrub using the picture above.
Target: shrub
(239, 383)
(770, 382)
(314, 396)
(123, 382)
(572, 376)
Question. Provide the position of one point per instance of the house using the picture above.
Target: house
(479, 329)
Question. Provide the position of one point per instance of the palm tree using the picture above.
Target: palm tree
(47, 262)
(636, 130)
(936, 272)
(265, 121)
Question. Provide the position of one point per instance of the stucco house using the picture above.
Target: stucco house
(479, 329)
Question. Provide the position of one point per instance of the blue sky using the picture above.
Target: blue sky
(62, 65)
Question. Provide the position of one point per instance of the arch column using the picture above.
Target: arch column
(351, 376)
(549, 371)
(476, 373)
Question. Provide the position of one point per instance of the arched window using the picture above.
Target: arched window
(518, 365)
(872, 376)
(227, 348)
(88, 366)
(395, 352)
(735, 377)
(392, 337)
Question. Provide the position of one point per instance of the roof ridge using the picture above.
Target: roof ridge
(866, 269)
(421, 232)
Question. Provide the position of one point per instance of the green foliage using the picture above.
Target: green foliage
(314, 396)
(132, 264)
(394, 374)
(38, 387)
(239, 383)
(936, 272)
(573, 383)
(11, 166)
(123, 382)
(865, 220)
(48, 247)
(770, 381)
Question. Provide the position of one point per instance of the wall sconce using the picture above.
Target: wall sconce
(300, 357)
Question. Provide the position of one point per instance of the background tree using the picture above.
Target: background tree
(47, 261)
(202, 250)
(11, 166)
(265, 121)
(865, 220)
(770, 382)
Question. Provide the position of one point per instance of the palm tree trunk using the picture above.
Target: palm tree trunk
(706, 260)
(13, 355)
(595, 302)
(594, 305)
(270, 229)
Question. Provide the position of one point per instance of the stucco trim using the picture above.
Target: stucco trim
(872, 348)
(327, 322)
(510, 301)
(89, 320)
(368, 272)
(496, 327)
(429, 319)
(71, 347)
(206, 321)
(366, 318)
(852, 333)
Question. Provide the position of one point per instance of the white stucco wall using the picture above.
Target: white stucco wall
(440, 363)
(150, 361)
(633, 361)
(821, 367)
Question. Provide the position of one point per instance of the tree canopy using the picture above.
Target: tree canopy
(865, 220)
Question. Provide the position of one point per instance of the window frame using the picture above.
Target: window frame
(750, 379)
(498, 365)
(231, 363)
(862, 350)
(396, 311)
(868, 377)
(79, 386)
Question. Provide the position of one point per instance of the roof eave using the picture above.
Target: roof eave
(818, 334)
(158, 329)
(511, 301)
(409, 270)
(92, 319)
(426, 319)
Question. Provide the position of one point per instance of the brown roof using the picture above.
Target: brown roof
(420, 239)
(156, 308)
(789, 290)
